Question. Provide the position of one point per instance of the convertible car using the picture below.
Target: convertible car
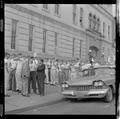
(95, 82)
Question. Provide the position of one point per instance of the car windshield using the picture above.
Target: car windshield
(89, 72)
(94, 72)
(85, 73)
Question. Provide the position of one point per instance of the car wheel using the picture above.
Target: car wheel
(109, 95)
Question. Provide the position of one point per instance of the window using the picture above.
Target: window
(30, 37)
(74, 13)
(108, 52)
(73, 50)
(56, 42)
(98, 24)
(44, 40)
(13, 36)
(57, 9)
(108, 31)
(80, 48)
(45, 6)
(103, 28)
(81, 17)
(90, 20)
(94, 22)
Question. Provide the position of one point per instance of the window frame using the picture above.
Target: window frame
(80, 48)
(31, 26)
(73, 48)
(56, 42)
(44, 40)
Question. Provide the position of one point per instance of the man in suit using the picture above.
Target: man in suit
(25, 74)
(41, 77)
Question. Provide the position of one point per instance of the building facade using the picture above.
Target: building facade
(64, 31)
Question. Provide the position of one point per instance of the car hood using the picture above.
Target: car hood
(83, 81)
(86, 80)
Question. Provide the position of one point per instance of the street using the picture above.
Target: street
(84, 106)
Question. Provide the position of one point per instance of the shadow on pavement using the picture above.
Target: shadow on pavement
(86, 100)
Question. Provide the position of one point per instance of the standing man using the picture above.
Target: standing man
(46, 70)
(12, 74)
(18, 75)
(32, 76)
(25, 74)
(49, 71)
(6, 74)
(41, 77)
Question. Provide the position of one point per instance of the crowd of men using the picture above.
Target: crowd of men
(23, 73)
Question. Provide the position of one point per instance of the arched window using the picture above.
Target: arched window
(98, 24)
(94, 22)
(90, 20)
(104, 29)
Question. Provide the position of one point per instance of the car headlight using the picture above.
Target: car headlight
(98, 83)
(64, 85)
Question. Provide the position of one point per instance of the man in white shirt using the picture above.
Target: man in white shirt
(18, 75)
(32, 79)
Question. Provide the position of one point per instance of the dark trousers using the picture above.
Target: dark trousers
(49, 74)
(40, 83)
(32, 80)
(12, 81)
(41, 88)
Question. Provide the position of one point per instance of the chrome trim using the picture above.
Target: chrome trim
(83, 87)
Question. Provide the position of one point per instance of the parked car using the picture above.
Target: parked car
(95, 82)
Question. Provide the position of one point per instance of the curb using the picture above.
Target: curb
(33, 107)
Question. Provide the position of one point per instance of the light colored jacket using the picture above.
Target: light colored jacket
(25, 73)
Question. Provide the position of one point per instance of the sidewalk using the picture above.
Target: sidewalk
(17, 103)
